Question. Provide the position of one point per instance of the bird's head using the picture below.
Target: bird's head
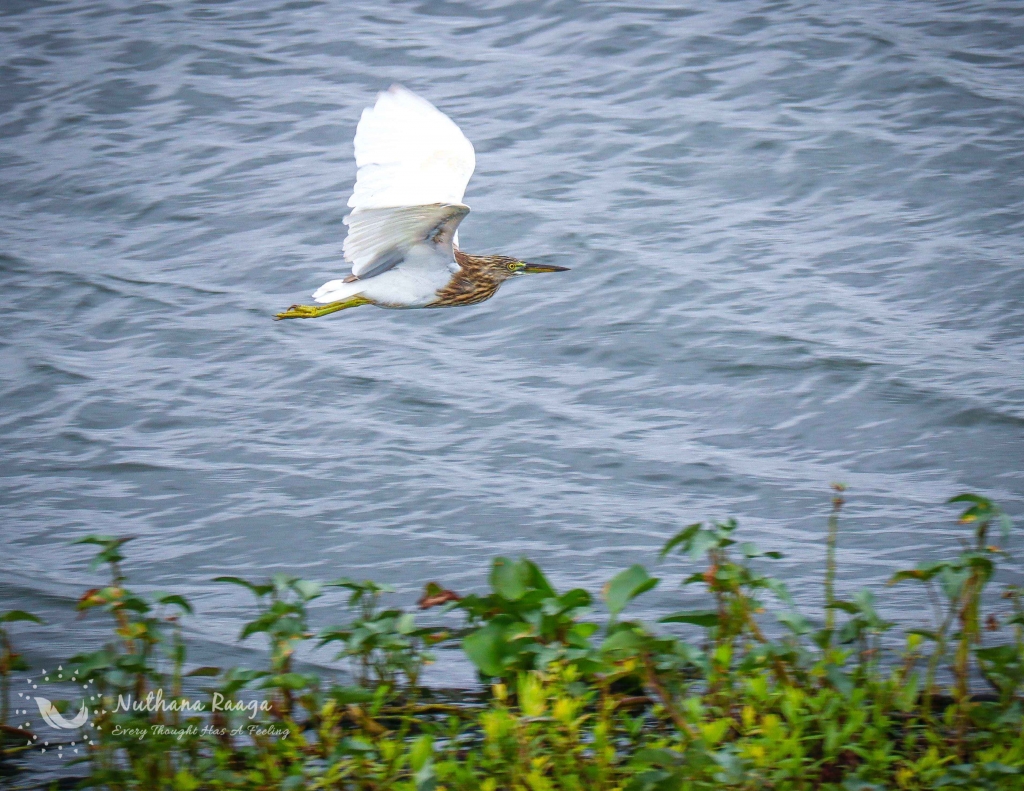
(502, 267)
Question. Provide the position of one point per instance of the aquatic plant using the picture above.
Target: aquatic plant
(742, 692)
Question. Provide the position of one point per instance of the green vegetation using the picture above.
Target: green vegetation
(727, 696)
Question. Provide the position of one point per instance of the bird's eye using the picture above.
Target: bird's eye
(513, 267)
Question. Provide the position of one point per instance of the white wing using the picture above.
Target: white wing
(413, 167)
(402, 238)
(409, 153)
(378, 239)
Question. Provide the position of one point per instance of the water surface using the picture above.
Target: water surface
(795, 234)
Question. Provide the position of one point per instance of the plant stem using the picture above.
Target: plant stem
(651, 676)
(830, 556)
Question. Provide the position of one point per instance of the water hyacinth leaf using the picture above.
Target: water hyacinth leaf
(573, 600)
(488, 647)
(405, 623)
(579, 635)
(627, 585)
(537, 579)
(510, 579)
(704, 618)
(627, 640)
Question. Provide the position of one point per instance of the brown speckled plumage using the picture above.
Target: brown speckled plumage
(478, 279)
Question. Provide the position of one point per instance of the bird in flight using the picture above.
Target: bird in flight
(403, 243)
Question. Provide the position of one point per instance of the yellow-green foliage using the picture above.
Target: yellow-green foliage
(739, 701)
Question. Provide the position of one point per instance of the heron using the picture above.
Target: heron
(412, 167)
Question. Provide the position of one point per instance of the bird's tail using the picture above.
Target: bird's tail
(337, 290)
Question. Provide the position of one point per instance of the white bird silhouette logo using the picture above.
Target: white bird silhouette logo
(54, 720)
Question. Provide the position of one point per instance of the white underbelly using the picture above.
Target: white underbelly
(414, 283)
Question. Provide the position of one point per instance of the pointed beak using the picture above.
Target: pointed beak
(536, 269)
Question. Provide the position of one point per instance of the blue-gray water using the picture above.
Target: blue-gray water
(795, 233)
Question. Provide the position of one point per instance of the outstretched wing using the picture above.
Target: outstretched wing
(378, 239)
(409, 153)
(381, 239)
(413, 167)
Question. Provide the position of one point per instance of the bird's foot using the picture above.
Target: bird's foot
(316, 311)
(298, 312)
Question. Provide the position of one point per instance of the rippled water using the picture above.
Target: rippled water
(795, 233)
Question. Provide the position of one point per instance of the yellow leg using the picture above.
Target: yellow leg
(316, 311)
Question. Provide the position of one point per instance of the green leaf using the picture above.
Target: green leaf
(509, 579)
(952, 581)
(204, 671)
(838, 679)
(627, 585)
(261, 624)
(751, 551)
(307, 589)
(421, 752)
(487, 648)
(967, 497)
(923, 573)
(292, 681)
(573, 600)
(19, 615)
(797, 623)
(346, 695)
(705, 618)
(628, 640)
(177, 600)
(537, 579)
(110, 547)
(259, 590)
(682, 537)
(778, 587)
